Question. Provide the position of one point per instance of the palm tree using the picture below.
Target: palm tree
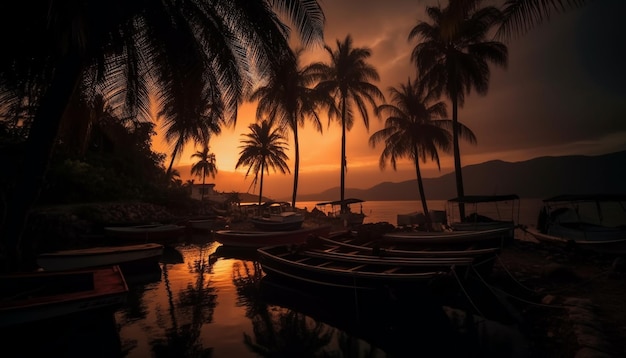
(347, 79)
(130, 49)
(195, 124)
(204, 166)
(263, 149)
(287, 99)
(453, 58)
(415, 128)
(520, 16)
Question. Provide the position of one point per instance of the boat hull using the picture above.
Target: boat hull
(126, 256)
(36, 296)
(452, 239)
(145, 233)
(344, 273)
(256, 239)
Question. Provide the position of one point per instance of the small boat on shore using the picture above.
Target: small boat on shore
(488, 238)
(36, 296)
(348, 218)
(347, 241)
(127, 256)
(160, 233)
(284, 221)
(256, 239)
(484, 212)
(346, 271)
(595, 222)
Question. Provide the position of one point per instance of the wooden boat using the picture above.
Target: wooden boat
(484, 212)
(256, 239)
(161, 233)
(126, 256)
(348, 243)
(451, 239)
(349, 218)
(41, 295)
(594, 222)
(367, 273)
(284, 221)
(206, 224)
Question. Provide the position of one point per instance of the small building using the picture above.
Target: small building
(209, 193)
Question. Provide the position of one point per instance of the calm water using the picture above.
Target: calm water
(204, 301)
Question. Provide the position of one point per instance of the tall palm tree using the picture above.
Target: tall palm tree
(348, 80)
(452, 56)
(205, 165)
(130, 49)
(288, 99)
(415, 128)
(263, 148)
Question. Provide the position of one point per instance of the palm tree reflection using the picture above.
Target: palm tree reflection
(279, 331)
(195, 307)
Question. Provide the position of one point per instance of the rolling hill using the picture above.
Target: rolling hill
(535, 178)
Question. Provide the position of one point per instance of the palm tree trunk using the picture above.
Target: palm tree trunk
(261, 186)
(30, 175)
(457, 154)
(296, 165)
(174, 154)
(420, 187)
(343, 154)
(203, 185)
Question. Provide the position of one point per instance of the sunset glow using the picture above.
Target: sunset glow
(545, 103)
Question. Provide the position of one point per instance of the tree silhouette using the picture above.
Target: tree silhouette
(415, 129)
(131, 50)
(205, 166)
(288, 100)
(452, 56)
(348, 80)
(263, 148)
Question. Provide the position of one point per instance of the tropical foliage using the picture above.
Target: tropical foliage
(263, 148)
(415, 128)
(288, 100)
(130, 51)
(453, 55)
(205, 166)
(348, 80)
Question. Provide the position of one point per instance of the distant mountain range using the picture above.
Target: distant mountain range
(535, 178)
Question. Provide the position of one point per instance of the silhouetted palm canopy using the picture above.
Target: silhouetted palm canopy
(128, 49)
(415, 128)
(452, 56)
(520, 16)
(288, 100)
(196, 124)
(205, 165)
(348, 80)
(263, 148)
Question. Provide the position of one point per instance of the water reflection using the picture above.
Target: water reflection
(219, 303)
(192, 308)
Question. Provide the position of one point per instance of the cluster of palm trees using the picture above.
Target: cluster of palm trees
(199, 59)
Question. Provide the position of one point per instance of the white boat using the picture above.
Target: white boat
(595, 221)
(126, 256)
(283, 221)
(349, 218)
(277, 216)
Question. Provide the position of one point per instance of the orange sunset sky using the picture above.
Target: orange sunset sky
(562, 93)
